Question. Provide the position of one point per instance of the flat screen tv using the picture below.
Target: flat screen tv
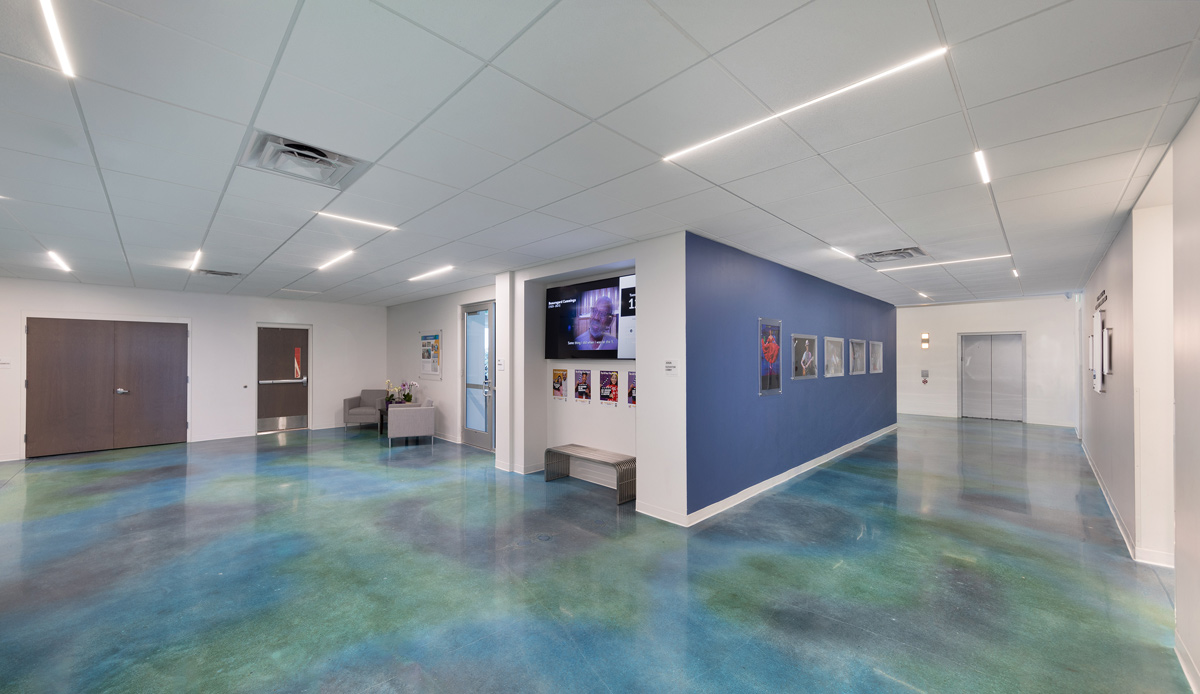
(592, 320)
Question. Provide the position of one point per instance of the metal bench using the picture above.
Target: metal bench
(558, 464)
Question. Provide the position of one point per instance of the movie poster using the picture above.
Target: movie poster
(583, 384)
(609, 389)
(558, 384)
(431, 355)
(632, 388)
(769, 372)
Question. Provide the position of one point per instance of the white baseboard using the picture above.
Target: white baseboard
(1129, 544)
(1156, 557)
(660, 513)
(1188, 663)
(728, 503)
(11, 455)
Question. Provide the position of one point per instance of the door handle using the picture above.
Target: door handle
(122, 391)
(285, 380)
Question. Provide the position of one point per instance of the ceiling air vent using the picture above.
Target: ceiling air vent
(894, 254)
(280, 155)
(219, 273)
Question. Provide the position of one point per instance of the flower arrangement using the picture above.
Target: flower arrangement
(401, 393)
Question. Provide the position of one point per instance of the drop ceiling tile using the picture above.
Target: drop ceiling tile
(18, 241)
(589, 71)
(926, 143)
(44, 138)
(715, 24)
(33, 191)
(342, 239)
(788, 181)
(269, 213)
(660, 182)
(223, 242)
(706, 204)
(163, 192)
(149, 277)
(828, 45)
(501, 262)
(160, 257)
(1150, 159)
(120, 114)
(17, 40)
(373, 65)
(401, 189)
(571, 243)
(1189, 77)
(1173, 118)
(52, 219)
(498, 113)
(76, 250)
(303, 111)
(818, 204)
(525, 229)
(861, 230)
(199, 171)
(38, 169)
(252, 30)
(921, 180)
(639, 225)
(239, 261)
(964, 19)
(456, 253)
(697, 105)
(37, 92)
(279, 190)
(393, 248)
(740, 222)
(942, 224)
(780, 239)
(590, 156)
(358, 207)
(193, 220)
(142, 232)
(1115, 167)
(759, 149)
(463, 216)
(526, 187)
(482, 28)
(277, 233)
(1068, 40)
(1077, 144)
(1126, 88)
(974, 201)
(182, 71)
(1062, 207)
(430, 154)
(588, 207)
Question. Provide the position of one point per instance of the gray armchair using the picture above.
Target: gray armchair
(410, 421)
(363, 408)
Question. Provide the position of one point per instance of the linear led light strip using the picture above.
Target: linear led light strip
(343, 256)
(899, 68)
(61, 263)
(56, 36)
(431, 273)
(195, 262)
(947, 262)
(357, 221)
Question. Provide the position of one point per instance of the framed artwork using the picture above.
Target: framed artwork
(876, 357)
(431, 355)
(804, 356)
(858, 357)
(834, 355)
(770, 373)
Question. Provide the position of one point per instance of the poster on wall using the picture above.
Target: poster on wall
(583, 385)
(858, 357)
(876, 357)
(632, 388)
(804, 357)
(609, 389)
(770, 373)
(834, 353)
(558, 384)
(431, 355)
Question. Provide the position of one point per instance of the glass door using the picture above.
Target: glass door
(479, 359)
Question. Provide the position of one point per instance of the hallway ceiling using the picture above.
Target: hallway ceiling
(505, 135)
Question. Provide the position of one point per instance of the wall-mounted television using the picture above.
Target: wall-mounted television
(592, 320)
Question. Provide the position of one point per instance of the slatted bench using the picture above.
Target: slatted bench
(558, 464)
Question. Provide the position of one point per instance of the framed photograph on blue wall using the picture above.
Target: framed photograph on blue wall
(770, 359)
(834, 356)
(804, 356)
(876, 357)
(858, 357)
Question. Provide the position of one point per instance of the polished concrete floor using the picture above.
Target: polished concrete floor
(951, 556)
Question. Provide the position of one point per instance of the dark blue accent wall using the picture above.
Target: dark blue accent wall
(737, 438)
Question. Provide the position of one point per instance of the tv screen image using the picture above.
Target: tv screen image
(592, 320)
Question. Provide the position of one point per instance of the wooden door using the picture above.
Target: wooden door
(282, 379)
(69, 390)
(150, 365)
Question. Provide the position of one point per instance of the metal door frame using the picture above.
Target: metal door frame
(311, 370)
(1024, 368)
(490, 389)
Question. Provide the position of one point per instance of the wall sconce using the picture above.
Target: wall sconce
(924, 340)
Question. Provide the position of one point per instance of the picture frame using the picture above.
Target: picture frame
(804, 356)
(431, 355)
(876, 357)
(835, 364)
(770, 356)
(858, 357)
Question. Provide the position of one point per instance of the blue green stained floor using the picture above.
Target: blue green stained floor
(951, 556)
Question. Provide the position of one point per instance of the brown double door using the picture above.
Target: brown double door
(282, 379)
(95, 385)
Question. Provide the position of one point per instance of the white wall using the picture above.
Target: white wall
(1186, 223)
(1050, 352)
(405, 325)
(1154, 385)
(660, 417)
(590, 422)
(348, 349)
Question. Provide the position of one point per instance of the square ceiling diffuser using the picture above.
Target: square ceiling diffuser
(279, 155)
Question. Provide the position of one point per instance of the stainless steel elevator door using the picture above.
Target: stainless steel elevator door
(977, 376)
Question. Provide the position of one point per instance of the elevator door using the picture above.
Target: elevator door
(992, 377)
(282, 379)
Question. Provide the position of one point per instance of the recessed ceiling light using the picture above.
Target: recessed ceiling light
(838, 250)
(299, 291)
(1015, 273)
(983, 172)
(891, 71)
(195, 262)
(431, 273)
(947, 262)
(347, 254)
(357, 221)
(55, 258)
(56, 36)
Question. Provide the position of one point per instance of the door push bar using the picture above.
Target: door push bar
(286, 380)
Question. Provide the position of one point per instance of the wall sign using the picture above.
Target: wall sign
(431, 355)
